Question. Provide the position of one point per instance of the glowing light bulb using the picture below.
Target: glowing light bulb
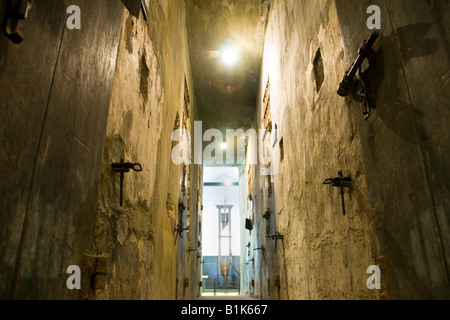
(229, 56)
(229, 53)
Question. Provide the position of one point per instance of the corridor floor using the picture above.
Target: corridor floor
(220, 297)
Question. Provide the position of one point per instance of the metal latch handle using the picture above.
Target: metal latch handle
(126, 167)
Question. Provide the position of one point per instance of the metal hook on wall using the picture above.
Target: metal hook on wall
(277, 236)
(263, 251)
(179, 232)
(122, 168)
(349, 85)
(340, 182)
(189, 252)
(17, 10)
(179, 229)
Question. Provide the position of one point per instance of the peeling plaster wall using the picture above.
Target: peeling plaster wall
(324, 255)
(148, 92)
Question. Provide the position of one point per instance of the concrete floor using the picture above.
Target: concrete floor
(220, 297)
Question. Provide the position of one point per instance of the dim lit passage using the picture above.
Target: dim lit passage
(232, 151)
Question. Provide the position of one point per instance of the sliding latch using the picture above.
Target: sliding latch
(189, 252)
(122, 168)
(340, 182)
(179, 231)
(263, 251)
(126, 167)
(17, 10)
(277, 236)
(349, 85)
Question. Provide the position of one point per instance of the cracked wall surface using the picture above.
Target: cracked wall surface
(323, 254)
(395, 216)
(149, 91)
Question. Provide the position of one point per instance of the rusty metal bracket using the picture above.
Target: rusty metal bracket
(122, 168)
(354, 81)
(17, 10)
(179, 232)
(179, 229)
(263, 251)
(340, 182)
(364, 97)
(189, 252)
(277, 236)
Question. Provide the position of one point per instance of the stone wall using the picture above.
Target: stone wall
(397, 206)
(323, 254)
(149, 94)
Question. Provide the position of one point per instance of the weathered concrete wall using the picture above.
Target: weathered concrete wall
(323, 254)
(397, 208)
(149, 91)
(55, 90)
(405, 143)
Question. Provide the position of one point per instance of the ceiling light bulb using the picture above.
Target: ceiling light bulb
(224, 146)
(229, 53)
(230, 56)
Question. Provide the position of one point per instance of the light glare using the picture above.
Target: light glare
(229, 53)
(229, 56)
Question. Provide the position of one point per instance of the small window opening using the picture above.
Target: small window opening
(281, 150)
(318, 70)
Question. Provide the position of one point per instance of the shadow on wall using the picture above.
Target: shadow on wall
(3, 40)
(408, 42)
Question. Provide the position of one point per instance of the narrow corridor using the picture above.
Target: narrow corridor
(173, 149)
(225, 297)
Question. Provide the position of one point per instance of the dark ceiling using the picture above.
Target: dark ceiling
(226, 96)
